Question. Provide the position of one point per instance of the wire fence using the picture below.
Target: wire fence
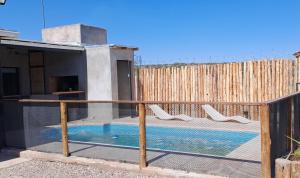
(284, 125)
(39, 121)
(177, 135)
(203, 137)
(198, 137)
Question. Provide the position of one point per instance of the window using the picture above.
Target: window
(37, 72)
(63, 83)
(10, 81)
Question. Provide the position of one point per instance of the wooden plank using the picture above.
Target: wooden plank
(278, 78)
(250, 79)
(64, 128)
(219, 81)
(269, 81)
(265, 141)
(147, 84)
(146, 89)
(142, 136)
(285, 77)
(262, 80)
(274, 84)
(245, 89)
(259, 78)
(266, 80)
(240, 79)
(227, 82)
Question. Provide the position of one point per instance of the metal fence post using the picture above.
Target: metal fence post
(142, 135)
(265, 141)
(64, 128)
(290, 117)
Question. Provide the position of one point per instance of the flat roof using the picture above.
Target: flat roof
(53, 46)
(8, 34)
(40, 45)
(123, 47)
(70, 25)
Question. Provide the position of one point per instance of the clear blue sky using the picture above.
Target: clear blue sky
(168, 31)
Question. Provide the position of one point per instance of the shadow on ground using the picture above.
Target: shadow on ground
(8, 154)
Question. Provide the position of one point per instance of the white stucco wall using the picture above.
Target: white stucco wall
(98, 73)
(99, 83)
(102, 78)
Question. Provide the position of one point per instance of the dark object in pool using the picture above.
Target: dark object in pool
(106, 128)
(115, 137)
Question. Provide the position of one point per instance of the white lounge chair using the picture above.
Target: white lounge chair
(163, 115)
(216, 116)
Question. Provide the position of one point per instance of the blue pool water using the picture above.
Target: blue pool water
(212, 142)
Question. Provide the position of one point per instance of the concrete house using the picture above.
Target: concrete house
(71, 62)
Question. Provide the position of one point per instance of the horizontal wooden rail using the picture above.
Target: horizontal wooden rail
(138, 102)
(79, 101)
(155, 102)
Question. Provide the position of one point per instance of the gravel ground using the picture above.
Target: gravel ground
(46, 169)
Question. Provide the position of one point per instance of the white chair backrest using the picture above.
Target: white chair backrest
(159, 112)
(214, 114)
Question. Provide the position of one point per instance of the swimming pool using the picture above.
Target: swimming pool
(199, 141)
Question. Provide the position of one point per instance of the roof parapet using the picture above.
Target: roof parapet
(75, 34)
(123, 47)
(8, 34)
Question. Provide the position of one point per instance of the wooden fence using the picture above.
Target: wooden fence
(251, 81)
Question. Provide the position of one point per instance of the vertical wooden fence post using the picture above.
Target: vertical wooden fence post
(142, 135)
(265, 141)
(64, 127)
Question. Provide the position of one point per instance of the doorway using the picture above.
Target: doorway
(124, 87)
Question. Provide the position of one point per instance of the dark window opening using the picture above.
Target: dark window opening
(64, 83)
(10, 81)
